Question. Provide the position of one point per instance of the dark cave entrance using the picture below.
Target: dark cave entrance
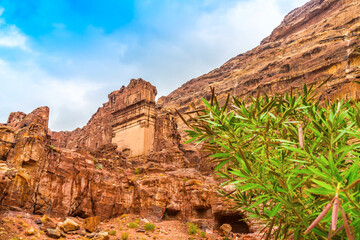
(235, 220)
(171, 214)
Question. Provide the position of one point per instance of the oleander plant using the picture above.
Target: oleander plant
(291, 160)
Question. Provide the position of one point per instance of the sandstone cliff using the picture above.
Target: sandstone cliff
(312, 43)
(41, 179)
(81, 173)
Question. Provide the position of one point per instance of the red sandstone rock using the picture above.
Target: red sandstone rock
(225, 230)
(7, 140)
(60, 182)
(312, 43)
(15, 118)
(98, 131)
(91, 223)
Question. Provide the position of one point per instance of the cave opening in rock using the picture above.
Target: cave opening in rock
(171, 214)
(235, 220)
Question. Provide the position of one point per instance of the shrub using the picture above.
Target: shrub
(289, 159)
(203, 234)
(124, 236)
(192, 228)
(133, 225)
(136, 171)
(149, 227)
(99, 166)
(112, 232)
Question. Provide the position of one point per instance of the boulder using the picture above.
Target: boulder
(53, 233)
(90, 224)
(30, 232)
(69, 225)
(225, 230)
(101, 236)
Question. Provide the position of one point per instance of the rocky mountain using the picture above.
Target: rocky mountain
(312, 43)
(129, 158)
(82, 174)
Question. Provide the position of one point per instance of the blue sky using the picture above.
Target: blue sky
(69, 54)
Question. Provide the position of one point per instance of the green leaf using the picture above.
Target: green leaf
(275, 210)
(258, 202)
(207, 104)
(323, 184)
(191, 140)
(250, 186)
(220, 155)
(320, 191)
(220, 165)
(320, 232)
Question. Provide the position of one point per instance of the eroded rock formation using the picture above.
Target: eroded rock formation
(164, 183)
(129, 157)
(128, 120)
(133, 112)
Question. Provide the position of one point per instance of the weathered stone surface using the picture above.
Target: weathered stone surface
(15, 118)
(101, 236)
(225, 230)
(62, 182)
(91, 223)
(69, 225)
(30, 232)
(7, 140)
(127, 108)
(30, 139)
(133, 111)
(83, 174)
(53, 233)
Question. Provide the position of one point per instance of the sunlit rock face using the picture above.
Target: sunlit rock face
(313, 42)
(42, 175)
(127, 120)
(129, 157)
(133, 112)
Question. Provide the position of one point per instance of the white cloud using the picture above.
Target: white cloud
(69, 99)
(10, 35)
(204, 40)
(237, 28)
(178, 43)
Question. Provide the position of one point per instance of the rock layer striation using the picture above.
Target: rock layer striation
(92, 172)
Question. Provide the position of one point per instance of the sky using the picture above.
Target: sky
(70, 54)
